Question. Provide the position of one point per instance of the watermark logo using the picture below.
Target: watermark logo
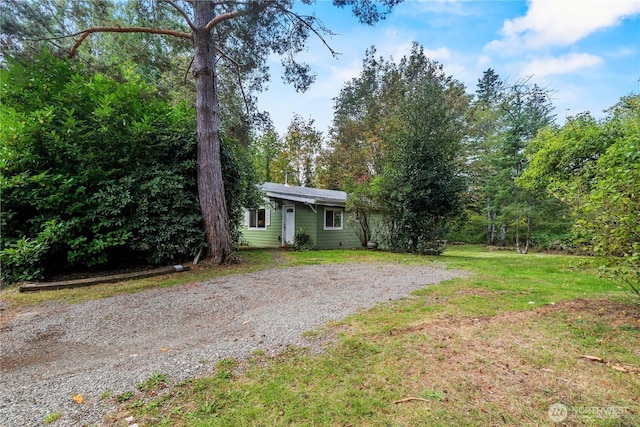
(558, 412)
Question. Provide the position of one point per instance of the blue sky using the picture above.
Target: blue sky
(586, 51)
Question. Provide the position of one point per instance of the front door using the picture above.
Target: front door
(288, 224)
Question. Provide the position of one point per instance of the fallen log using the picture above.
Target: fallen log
(77, 283)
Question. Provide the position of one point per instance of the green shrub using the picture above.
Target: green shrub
(302, 241)
(99, 174)
(23, 259)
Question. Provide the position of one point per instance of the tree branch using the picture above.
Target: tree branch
(220, 18)
(235, 63)
(86, 33)
(409, 399)
(315, 31)
(186, 72)
(181, 12)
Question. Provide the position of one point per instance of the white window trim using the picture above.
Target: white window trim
(267, 218)
(324, 222)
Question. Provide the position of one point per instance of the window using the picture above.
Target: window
(332, 219)
(257, 218)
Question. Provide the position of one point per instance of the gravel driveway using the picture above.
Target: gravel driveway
(52, 352)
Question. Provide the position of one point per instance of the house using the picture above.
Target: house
(289, 209)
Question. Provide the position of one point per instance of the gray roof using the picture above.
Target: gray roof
(305, 194)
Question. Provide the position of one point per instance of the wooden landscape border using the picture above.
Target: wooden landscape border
(77, 283)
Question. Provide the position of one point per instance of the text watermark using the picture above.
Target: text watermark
(559, 412)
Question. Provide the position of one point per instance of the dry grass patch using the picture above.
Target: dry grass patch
(509, 368)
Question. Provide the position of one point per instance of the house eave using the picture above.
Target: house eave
(306, 200)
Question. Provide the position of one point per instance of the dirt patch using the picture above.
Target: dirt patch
(613, 313)
(525, 361)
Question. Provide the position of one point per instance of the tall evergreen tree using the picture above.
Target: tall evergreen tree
(480, 145)
(265, 150)
(503, 119)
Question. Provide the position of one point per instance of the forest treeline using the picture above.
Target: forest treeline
(98, 157)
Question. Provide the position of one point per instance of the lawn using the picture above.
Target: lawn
(532, 340)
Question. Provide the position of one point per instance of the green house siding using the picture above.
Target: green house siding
(333, 239)
(268, 237)
(305, 219)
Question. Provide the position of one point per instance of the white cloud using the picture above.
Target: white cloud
(483, 61)
(397, 44)
(344, 74)
(561, 22)
(543, 67)
(450, 7)
(394, 44)
(458, 71)
(439, 54)
(331, 79)
(623, 52)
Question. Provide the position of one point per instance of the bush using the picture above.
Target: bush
(99, 174)
(23, 259)
(302, 241)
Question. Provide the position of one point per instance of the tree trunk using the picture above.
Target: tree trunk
(528, 243)
(488, 224)
(491, 224)
(518, 234)
(529, 208)
(365, 230)
(210, 183)
(503, 235)
(491, 228)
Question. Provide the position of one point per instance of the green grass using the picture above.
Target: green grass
(155, 381)
(125, 396)
(497, 347)
(52, 417)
